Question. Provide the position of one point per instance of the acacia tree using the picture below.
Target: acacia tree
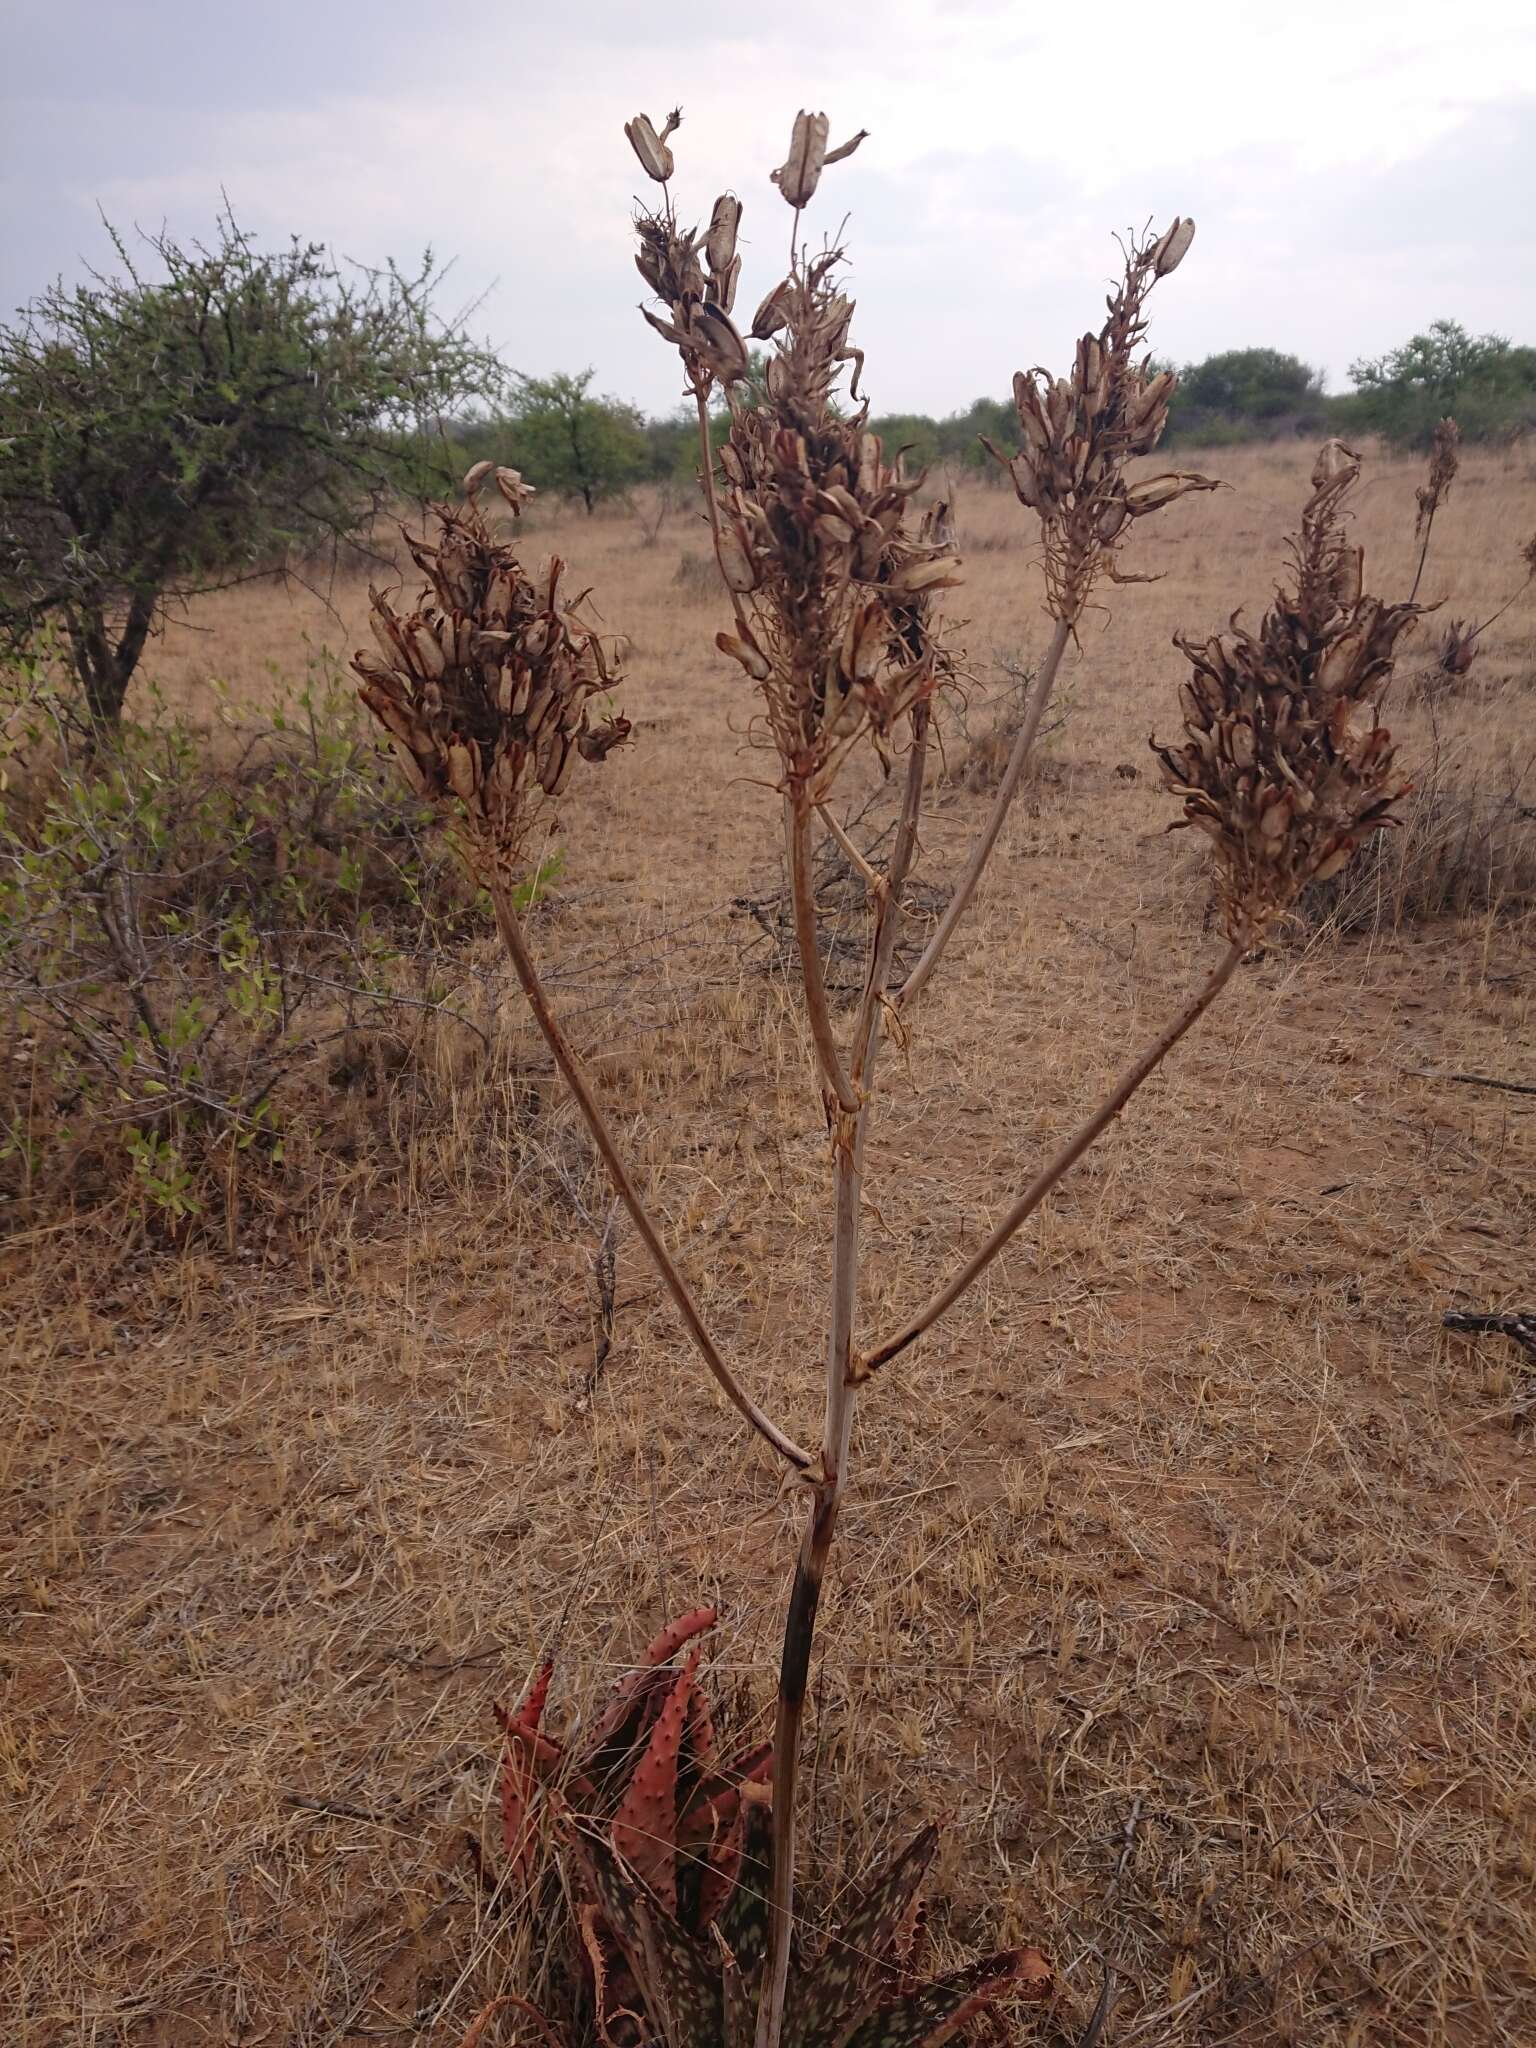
(565, 440)
(168, 435)
(1485, 380)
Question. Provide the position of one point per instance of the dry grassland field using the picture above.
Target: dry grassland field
(1191, 1566)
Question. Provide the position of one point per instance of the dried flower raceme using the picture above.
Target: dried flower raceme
(1444, 461)
(833, 587)
(486, 687)
(693, 273)
(1078, 432)
(1285, 764)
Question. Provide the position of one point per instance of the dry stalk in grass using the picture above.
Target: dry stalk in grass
(1077, 434)
(1444, 461)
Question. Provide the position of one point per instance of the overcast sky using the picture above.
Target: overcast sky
(1356, 169)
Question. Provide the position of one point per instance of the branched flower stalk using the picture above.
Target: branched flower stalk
(487, 689)
(1077, 433)
(486, 692)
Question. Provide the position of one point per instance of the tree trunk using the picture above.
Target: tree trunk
(105, 670)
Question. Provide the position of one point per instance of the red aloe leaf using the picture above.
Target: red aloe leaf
(530, 1709)
(638, 1692)
(623, 1720)
(518, 1785)
(519, 1769)
(839, 1983)
(924, 2018)
(663, 1648)
(701, 1731)
(645, 1826)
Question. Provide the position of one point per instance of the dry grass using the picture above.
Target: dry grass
(1200, 1588)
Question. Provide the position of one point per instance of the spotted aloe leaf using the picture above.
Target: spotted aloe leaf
(743, 1923)
(839, 1984)
(645, 1826)
(922, 2018)
(679, 1979)
(685, 1978)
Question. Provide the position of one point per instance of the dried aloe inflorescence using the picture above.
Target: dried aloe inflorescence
(833, 582)
(1444, 461)
(1285, 764)
(486, 687)
(830, 584)
(1078, 432)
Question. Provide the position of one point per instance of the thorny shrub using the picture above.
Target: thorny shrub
(187, 920)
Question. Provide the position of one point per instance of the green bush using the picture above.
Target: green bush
(1486, 383)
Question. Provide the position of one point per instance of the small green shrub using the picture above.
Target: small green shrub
(187, 920)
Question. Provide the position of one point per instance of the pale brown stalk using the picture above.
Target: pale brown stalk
(797, 817)
(711, 496)
(981, 852)
(830, 1481)
(1062, 1163)
(856, 859)
(510, 927)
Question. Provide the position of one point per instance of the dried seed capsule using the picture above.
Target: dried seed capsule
(736, 564)
(655, 157)
(720, 242)
(772, 313)
(1171, 247)
(722, 288)
(719, 344)
(745, 650)
(800, 173)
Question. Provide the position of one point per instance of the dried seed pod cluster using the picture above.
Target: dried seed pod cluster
(485, 688)
(694, 273)
(1078, 432)
(831, 588)
(1285, 764)
(1444, 461)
